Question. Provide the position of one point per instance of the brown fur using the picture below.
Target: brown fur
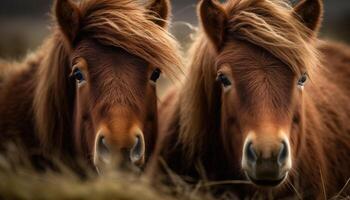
(156, 8)
(266, 48)
(41, 105)
(310, 13)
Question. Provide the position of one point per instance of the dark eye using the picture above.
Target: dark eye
(155, 75)
(296, 119)
(302, 80)
(224, 80)
(78, 75)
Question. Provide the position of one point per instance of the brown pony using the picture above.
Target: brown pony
(264, 101)
(89, 91)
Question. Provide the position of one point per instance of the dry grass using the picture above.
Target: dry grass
(28, 185)
(18, 180)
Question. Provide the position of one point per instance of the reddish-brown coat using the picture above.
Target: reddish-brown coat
(120, 43)
(203, 128)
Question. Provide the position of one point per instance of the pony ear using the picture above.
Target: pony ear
(68, 18)
(310, 12)
(161, 10)
(213, 18)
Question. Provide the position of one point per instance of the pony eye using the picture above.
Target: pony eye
(224, 80)
(302, 80)
(78, 75)
(155, 75)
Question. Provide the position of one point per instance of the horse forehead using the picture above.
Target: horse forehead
(98, 54)
(115, 76)
(264, 87)
(245, 54)
(252, 64)
(270, 85)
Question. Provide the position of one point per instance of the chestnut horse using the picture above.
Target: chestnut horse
(89, 91)
(264, 102)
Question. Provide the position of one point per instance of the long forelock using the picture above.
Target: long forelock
(128, 25)
(272, 25)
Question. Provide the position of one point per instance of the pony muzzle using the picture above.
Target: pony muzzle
(267, 166)
(110, 155)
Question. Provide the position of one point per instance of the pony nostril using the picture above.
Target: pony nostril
(250, 153)
(137, 151)
(283, 154)
(102, 148)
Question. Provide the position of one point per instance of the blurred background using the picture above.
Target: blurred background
(24, 23)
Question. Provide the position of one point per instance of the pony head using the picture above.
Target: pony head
(112, 52)
(263, 55)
